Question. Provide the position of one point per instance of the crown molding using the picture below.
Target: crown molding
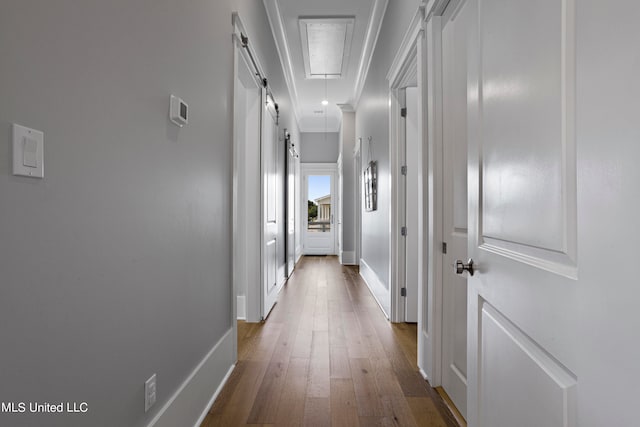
(371, 38)
(408, 44)
(282, 46)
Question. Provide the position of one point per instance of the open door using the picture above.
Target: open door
(553, 176)
(269, 139)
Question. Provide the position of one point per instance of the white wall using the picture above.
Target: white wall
(319, 147)
(372, 119)
(117, 265)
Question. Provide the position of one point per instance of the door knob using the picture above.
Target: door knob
(461, 267)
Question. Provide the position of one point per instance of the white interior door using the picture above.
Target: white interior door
(553, 151)
(269, 201)
(454, 196)
(291, 199)
(412, 161)
(319, 210)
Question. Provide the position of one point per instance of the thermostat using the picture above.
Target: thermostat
(178, 111)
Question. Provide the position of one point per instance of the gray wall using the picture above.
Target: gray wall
(347, 143)
(117, 265)
(372, 119)
(316, 148)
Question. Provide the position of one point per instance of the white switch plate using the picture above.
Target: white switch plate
(28, 152)
(150, 392)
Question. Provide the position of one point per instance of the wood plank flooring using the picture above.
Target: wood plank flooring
(326, 356)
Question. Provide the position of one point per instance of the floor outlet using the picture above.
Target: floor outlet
(150, 393)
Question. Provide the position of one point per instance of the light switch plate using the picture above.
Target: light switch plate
(150, 393)
(28, 152)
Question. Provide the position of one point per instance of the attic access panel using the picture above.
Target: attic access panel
(326, 45)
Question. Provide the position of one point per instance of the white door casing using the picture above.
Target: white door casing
(338, 208)
(319, 243)
(407, 70)
(413, 150)
(292, 201)
(359, 188)
(454, 206)
(247, 181)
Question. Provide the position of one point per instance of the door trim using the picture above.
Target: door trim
(307, 169)
(407, 69)
(430, 350)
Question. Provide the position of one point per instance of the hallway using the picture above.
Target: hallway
(327, 356)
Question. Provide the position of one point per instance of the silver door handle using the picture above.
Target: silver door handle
(461, 267)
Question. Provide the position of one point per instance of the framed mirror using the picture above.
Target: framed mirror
(371, 187)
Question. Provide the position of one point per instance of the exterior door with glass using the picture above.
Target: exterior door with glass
(319, 182)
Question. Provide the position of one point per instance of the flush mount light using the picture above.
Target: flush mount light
(326, 43)
(325, 102)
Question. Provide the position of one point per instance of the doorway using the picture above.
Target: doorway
(409, 201)
(319, 208)
(259, 231)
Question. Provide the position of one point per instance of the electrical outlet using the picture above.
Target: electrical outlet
(149, 393)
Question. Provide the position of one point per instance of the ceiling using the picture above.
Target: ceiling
(295, 27)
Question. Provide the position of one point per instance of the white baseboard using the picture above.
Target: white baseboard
(191, 402)
(379, 291)
(282, 276)
(298, 253)
(241, 307)
(348, 258)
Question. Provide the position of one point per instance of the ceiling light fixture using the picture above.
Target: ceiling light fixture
(325, 102)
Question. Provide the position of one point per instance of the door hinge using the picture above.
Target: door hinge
(403, 170)
(403, 231)
(444, 247)
(403, 112)
(403, 292)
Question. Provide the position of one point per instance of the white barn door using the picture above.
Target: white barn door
(269, 152)
(553, 136)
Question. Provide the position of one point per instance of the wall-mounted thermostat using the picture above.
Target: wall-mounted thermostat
(28, 152)
(178, 111)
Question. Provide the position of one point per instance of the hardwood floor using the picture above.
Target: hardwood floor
(326, 356)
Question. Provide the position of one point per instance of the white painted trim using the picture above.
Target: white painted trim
(434, 201)
(378, 11)
(241, 307)
(357, 170)
(406, 46)
(214, 397)
(424, 336)
(298, 253)
(348, 258)
(396, 134)
(307, 169)
(282, 45)
(196, 394)
(404, 68)
(375, 285)
(282, 278)
(253, 293)
(435, 8)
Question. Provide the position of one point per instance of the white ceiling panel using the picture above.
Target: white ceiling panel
(326, 43)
